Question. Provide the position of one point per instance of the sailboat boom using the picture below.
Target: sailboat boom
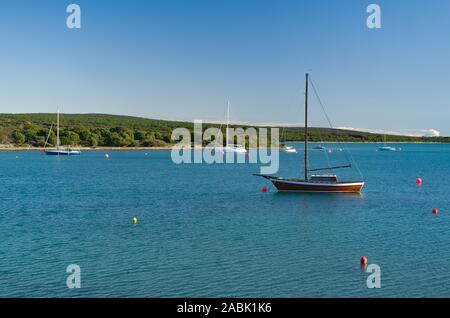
(330, 168)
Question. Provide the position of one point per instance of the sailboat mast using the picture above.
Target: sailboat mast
(228, 122)
(57, 130)
(306, 127)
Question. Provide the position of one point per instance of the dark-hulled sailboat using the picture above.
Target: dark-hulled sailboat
(315, 182)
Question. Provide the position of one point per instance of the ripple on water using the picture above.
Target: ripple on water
(209, 231)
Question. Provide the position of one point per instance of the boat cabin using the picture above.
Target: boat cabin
(324, 178)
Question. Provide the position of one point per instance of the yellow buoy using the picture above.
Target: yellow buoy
(134, 220)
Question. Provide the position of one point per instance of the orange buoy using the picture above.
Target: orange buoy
(263, 189)
(435, 211)
(363, 260)
(419, 181)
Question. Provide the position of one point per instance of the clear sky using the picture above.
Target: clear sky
(183, 59)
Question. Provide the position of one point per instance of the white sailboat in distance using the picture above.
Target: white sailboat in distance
(288, 149)
(230, 147)
(58, 151)
(385, 147)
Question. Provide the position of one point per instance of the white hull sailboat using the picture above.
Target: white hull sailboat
(385, 147)
(230, 147)
(289, 149)
(235, 149)
(283, 147)
(58, 151)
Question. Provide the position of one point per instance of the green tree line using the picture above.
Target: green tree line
(98, 130)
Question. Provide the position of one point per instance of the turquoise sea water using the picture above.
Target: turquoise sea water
(208, 230)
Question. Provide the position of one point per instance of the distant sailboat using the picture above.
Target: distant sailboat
(385, 147)
(315, 182)
(59, 151)
(230, 147)
(288, 149)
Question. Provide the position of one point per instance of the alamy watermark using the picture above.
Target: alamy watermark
(374, 19)
(74, 278)
(191, 149)
(374, 279)
(74, 19)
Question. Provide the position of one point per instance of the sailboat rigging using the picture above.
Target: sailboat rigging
(288, 149)
(59, 151)
(315, 182)
(230, 146)
(385, 147)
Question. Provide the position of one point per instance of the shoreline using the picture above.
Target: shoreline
(14, 148)
(18, 148)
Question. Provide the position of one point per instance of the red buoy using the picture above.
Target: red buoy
(363, 260)
(435, 211)
(419, 181)
(263, 189)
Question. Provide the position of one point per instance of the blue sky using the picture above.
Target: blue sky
(175, 59)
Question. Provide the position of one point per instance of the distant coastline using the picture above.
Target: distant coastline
(7, 148)
(16, 148)
(103, 131)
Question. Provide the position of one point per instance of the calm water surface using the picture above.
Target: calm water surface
(208, 230)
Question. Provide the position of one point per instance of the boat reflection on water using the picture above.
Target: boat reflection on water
(354, 195)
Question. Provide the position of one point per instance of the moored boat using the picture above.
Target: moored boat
(62, 152)
(385, 147)
(283, 147)
(315, 182)
(230, 147)
(290, 149)
(59, 151)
